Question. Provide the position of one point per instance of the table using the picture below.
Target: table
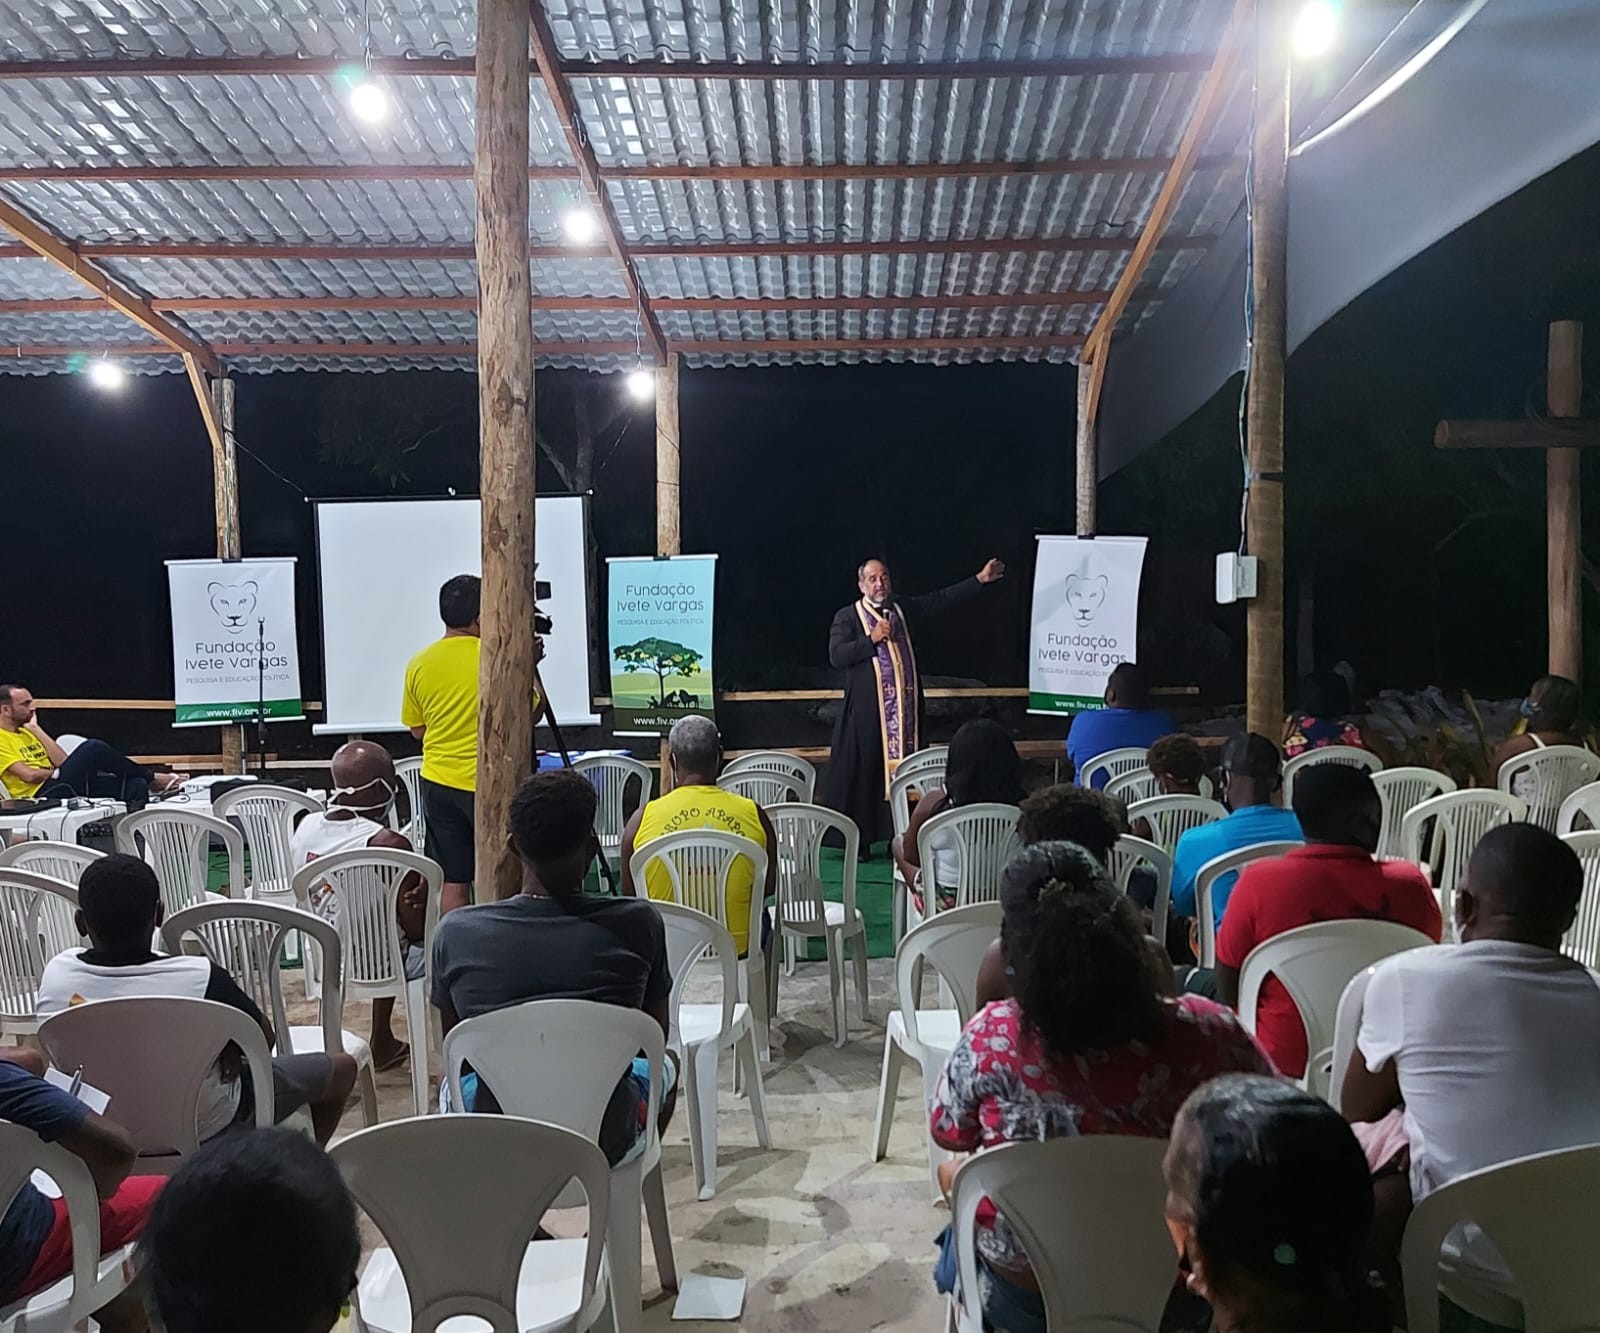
(59, 824)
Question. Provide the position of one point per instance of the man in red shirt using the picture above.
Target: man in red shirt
(1334, 877)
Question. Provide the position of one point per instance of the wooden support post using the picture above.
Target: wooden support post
(1088, 458)
(669, 513)
(230, 543)
(1564, 505)
(505, 440)
(1268, 350)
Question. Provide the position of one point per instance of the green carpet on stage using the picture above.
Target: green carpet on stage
(874, 890)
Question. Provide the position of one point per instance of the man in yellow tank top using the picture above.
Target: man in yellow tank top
(695, 802)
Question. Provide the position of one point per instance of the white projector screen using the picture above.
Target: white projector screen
(379, 567)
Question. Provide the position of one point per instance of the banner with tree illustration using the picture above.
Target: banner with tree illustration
(660, 640)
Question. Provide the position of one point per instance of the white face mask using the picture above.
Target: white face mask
(382, 808)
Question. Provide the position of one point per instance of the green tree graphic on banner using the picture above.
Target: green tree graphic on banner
(662, 656)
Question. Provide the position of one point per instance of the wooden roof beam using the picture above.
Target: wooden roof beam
(688, 305)
(1185, 162)
(542, 39)
(739, 171)
(45, 243)
(405, 252)
(832, 71)
(469, 350)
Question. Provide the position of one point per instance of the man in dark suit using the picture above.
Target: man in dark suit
(881, 720)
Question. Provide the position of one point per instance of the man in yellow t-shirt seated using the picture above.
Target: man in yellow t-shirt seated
(696, 801)
(33, 764)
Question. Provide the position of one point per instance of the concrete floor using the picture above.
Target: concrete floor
(825, 1238)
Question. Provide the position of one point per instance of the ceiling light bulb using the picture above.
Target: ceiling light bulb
(369, 102)
(580, 225)
(642, 384)
(1316, 29)
(107, 375)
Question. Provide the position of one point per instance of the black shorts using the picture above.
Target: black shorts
(448, 812)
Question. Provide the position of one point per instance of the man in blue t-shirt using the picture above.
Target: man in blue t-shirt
(1252, 773)
(1126, 721)
(35, 1237)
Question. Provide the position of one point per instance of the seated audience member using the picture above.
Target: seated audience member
(119, 909)
(1088, 1046)
(1319, 720)
(256, 1233)
(1552, 710)
(983, 766)
(1252, 773)
(364, 786)
(1334, 877)
(1178, 765)
(1126, 722)
(1491, 1046)
(35, 1232)
(32, 764)
(552, 942)
(1063, 813)
(695, 802)
(1268, 1202)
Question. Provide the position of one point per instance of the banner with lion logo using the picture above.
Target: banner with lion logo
(228, 616)
(1085, 619)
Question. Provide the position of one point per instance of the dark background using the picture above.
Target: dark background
(1423, 567)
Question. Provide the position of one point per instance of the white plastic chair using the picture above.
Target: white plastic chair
(367, 883)
(559, 1061)
(1399, 791)
(1537, 1212)
(1205, 886)
(458, 1200)
(1579, 812)
(768, 790)
(1459, 819)
(1127, 856)
(246, 941)
(1170, 817)
(952, 944)
(36, 923)
(928, 765)
(698, 863)
(153, 1055)
(266, 816)
(701, 1032)
(95, 1279)
(1582, 941)
(985, 838)
(923, 778)
(409, 773)
(60, 860)
(1114, 764)
(804, 912)
(609, 775)
(176, 844)
(775, 761)
(1351, 756)
(1137, 784)
(1089, 1212)
(1544, 779)
(1314, 964)
(1346, 1028)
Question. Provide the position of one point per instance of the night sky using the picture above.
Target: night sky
(794, 475)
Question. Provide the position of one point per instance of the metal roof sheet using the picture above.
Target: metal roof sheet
(214, 123)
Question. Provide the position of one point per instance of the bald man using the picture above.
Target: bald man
(1490, 1046)
(357, 814)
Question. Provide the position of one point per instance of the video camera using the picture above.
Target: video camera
(542, 624)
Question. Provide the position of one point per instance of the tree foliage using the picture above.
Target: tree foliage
(662, 656)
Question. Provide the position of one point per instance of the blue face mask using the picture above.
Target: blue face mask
(1528, 708)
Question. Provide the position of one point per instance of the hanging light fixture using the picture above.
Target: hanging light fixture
(580, 224)
(1316, 29)
(641, 383)
(369, 100)
(106, 375)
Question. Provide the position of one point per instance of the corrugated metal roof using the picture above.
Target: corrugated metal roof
(220, 122)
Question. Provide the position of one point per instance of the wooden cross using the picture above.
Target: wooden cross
(1561, 435)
